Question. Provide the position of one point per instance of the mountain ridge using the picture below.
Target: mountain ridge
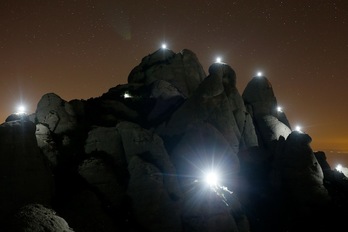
(134, 158)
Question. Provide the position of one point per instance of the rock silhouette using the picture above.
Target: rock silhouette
(134, 159)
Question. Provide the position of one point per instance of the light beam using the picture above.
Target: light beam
(21, 109)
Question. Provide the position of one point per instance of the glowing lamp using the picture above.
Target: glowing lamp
(298, 128)
(259, 74)
(279, 109)
(339, 168)
(20, 109)
(218, 60)
(127, 95)
(164, 46)
(211, 178)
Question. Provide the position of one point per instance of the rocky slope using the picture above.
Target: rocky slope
(135, 158)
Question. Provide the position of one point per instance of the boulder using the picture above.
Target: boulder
(271, 129)
(261, 103)
(56, 113)
(38, 218)
(182, 70)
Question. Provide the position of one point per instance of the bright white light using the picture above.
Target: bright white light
(20, 109)
(218, 60)
(339, 167)
(127, 95)
(259, 74)
(279, 109)
(211, 178)
(164, 46)
(298, 128)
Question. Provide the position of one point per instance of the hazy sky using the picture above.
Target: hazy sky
(79, 49)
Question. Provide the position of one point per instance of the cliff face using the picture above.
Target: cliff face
(135, 158)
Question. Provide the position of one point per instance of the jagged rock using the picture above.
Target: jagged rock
(37, 218)
(133, 158)
(262, 104)
(56, 113)
(24, 174)
(271, 129)
(211, 103)
(244, 128)
(259, 94)
(153, 186)
(321, 157)
(182, 70)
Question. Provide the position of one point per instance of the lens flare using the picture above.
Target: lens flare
(211, 178)
(21, 109)
(218, 59)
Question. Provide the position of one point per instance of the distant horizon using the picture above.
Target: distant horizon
(335, 157)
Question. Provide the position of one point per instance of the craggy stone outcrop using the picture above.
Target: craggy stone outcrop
(182, 70)
(56, 113)
(262, 105)
(135, 158)
(216, 101)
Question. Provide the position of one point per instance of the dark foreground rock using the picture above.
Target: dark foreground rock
(37, 218)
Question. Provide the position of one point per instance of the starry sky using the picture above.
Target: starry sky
(79, 49)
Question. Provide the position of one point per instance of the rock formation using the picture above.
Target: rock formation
(135, 158)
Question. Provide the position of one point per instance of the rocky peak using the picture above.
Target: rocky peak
(135, 158)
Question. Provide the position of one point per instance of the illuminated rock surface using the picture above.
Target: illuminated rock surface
(134, 159)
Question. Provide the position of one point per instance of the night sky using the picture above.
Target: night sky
(79, 49)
